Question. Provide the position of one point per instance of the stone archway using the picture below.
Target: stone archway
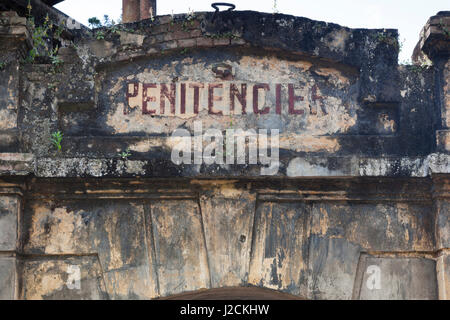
(234, 293)
(357, 206)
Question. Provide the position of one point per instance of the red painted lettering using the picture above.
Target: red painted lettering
(146, 98)
(196, 87)
(212, 97)
(135, 86)
(183, 98)
(292, 99)
(169, 95)
(278, 99)
(256, 88)
(242, 97)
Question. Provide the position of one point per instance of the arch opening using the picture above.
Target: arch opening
(234, 293)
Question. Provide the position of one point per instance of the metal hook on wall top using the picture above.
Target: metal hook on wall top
(216, 6)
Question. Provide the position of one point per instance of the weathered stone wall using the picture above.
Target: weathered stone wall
(356, 207)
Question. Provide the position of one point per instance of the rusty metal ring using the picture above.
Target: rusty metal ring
(216, 5)
(225, 73)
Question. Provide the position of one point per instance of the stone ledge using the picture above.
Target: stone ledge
(306, 167)
(434, 37)
(14, 32)
(13, 25)
(18, 164)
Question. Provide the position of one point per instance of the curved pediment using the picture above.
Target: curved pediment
(230, 71)
(321, 91)
(289, 35)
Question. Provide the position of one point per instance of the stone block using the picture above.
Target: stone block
(443, 275)
(398, 278)
(228, 221)
(74, 278)
(332, 265)
(7, 278)
(9, 210)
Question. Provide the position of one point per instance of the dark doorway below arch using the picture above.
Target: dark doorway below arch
(233, 293)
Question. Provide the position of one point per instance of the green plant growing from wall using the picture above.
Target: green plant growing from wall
(29, 7)
(94, 22)
(152, 17)
(189, 21)
(52, 85)
(108, 23)
(115, 29)
(226, 35)
(385, 38)
(2, 65)
(100, 35)
(275, 7)
(172, 18)
(56, 61)
(125, 154)
(57, 33)
(40, 35)
(57, 139)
